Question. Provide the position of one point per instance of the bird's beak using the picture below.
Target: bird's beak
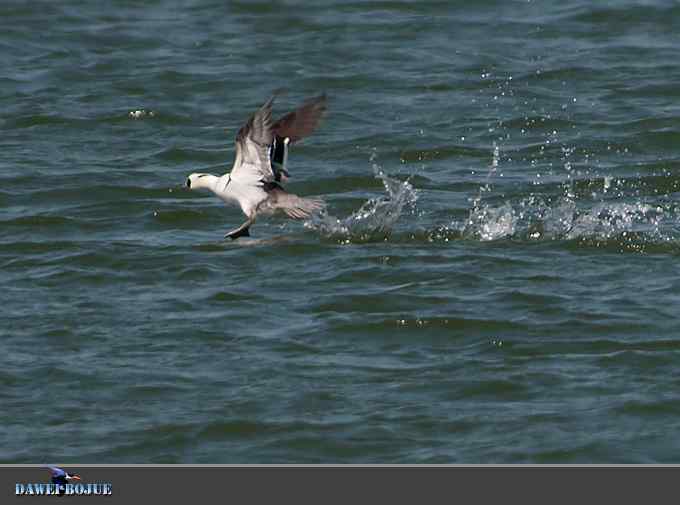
(75, 477)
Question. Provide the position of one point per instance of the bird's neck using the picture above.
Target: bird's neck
(207, 182)
(222, 185)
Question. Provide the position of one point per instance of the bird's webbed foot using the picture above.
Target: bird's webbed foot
(241, 231)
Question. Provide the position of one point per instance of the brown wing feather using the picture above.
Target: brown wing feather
(255, 138)
(302, 121)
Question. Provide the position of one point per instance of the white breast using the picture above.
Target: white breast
(246, 195)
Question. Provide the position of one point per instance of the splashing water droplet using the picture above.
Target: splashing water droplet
(375, 218)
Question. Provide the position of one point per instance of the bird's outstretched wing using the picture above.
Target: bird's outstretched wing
(302, 121)
(254, 140)
(55, 471)
(252, 161)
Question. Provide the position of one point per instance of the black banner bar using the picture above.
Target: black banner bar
(198, 484)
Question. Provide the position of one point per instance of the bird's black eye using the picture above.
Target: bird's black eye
(188, 183)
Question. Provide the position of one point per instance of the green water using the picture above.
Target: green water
(496, 280)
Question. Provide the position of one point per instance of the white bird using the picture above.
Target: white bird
(254, 182)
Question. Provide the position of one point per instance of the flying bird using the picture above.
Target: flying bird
(255, 180)
(61, 477)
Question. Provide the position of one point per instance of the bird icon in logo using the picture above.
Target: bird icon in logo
(61, 477)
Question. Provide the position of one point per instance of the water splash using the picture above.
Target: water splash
(485, 222)
(489, 223)
(602, 218)
(375, 219)
(535, 218)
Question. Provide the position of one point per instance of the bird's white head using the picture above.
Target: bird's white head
(200, 181)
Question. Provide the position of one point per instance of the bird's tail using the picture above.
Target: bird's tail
(295, 206)
(303, 208)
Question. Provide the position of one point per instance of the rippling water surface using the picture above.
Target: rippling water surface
(496, 279)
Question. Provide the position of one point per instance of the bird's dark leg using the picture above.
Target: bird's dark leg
(241, 231)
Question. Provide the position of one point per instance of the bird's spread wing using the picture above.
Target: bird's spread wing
(302, 121)
(254, 140)
(56, 471)
(252, 147)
